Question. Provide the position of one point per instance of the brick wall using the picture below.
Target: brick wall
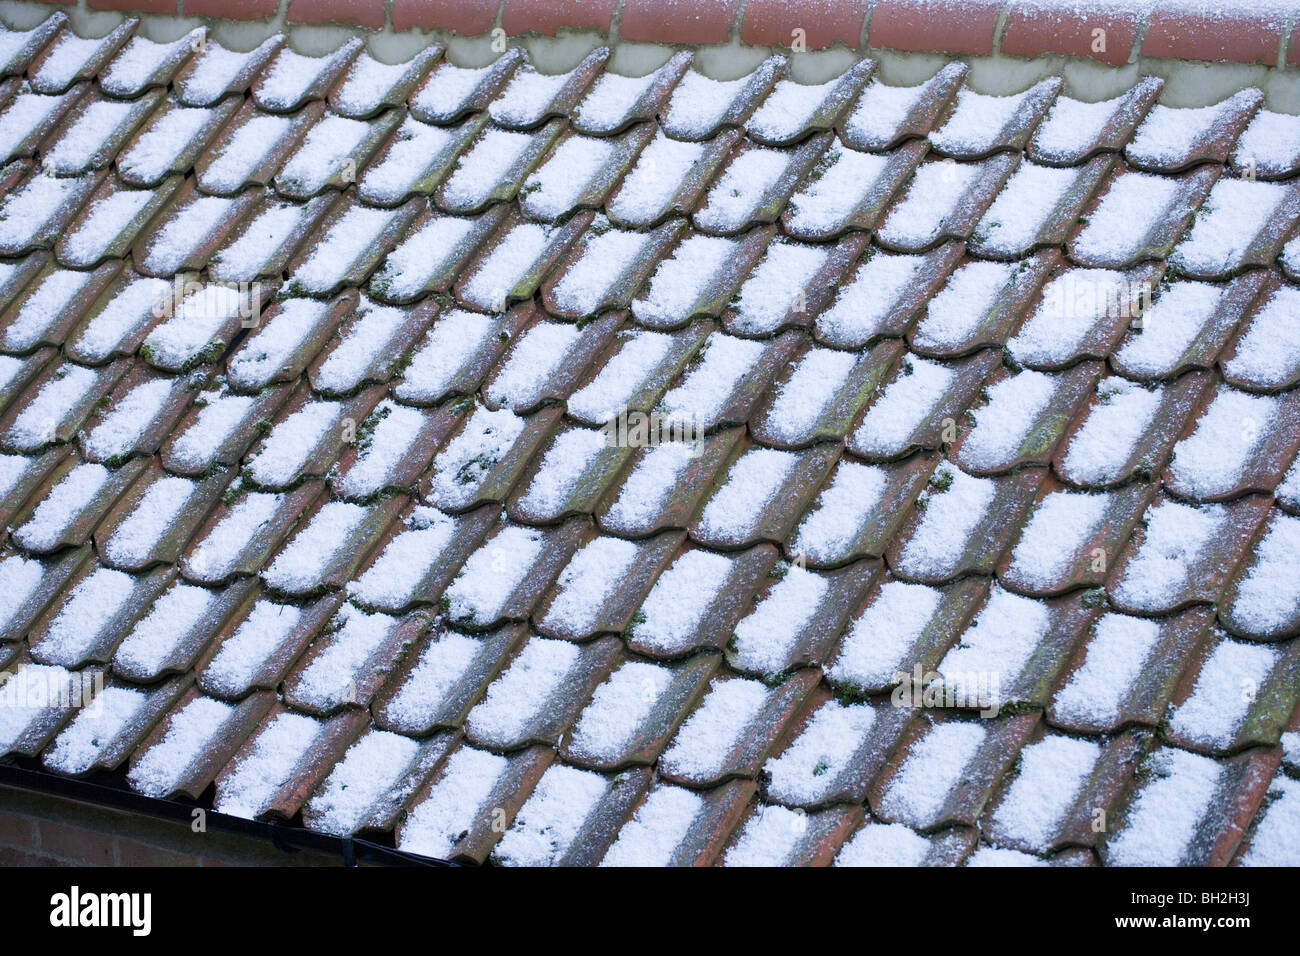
(44, 830)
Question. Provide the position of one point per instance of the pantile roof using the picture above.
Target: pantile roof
(306, 365)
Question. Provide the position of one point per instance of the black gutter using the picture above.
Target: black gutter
(286, 838)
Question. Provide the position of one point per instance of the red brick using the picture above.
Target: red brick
(231, 9)
(772, 22)
(10, 857)
(548, 16)
(467, 17)
(964, 26)
(17, 830)
(1032, 29)
(677, 21)
(132, 853)
(77, 844)
(1238, 36)
(138, 6)
(362, 13)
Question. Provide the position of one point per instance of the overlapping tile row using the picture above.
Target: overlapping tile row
(581, 468)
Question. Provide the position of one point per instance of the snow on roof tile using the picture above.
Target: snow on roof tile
(142, 63)
(68, 57)
(291, 78)
(560, 408)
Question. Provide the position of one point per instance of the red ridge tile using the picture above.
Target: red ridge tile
(774, 22)
(550, 16)
(231, 9)
(467, 17)
(365, 13)
(141, 6)
(1201, 31)
(677, 21)
(1033, 28)
(963, 26)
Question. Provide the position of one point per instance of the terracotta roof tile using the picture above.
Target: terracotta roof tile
(369, 85)
(101, 737)
(962, 524)
(944, 200)
(701, 107)
(68, 58)
(36, 728)
(734, 729)
(1172, 139)
(387, 769)
(924, 623)
(172, 140)
(334, 148)
(797, 617)
(23, 46)
(190, 229)
(980, 125)
(532, 97)
(818, 209)
(39, 210)
(614, 102)
(131, 539)
(215, 71)
(43, 581)
(540, 691)
(56, 404)
(172, 633)
(193, 742)
(1109, 684)
(251, 147)
(858, 511)
(51, 303)
(590, 468)
(111, 221)
(1193, 782)
(101, 608)
(291, 79)
(1161, 207)
(1261, 603)
(1187, 575)
(259, 644)
(1073, 130)
(777, 836)
(461, 813)
(1061, 787)
(1266, 845)
(713, 589)
(275, 769)
(893, 844)
(142, 64)
(794, 111)
(760, 495)
(92, 133)
(415, 159)
(450, 92)
(945, 769)
(506, 577)
(1200, 718)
